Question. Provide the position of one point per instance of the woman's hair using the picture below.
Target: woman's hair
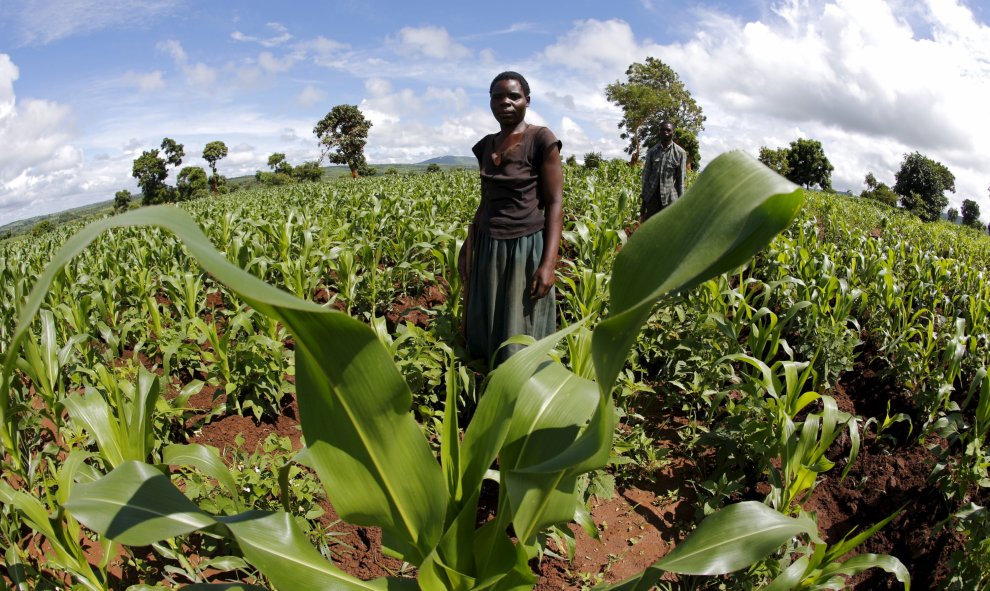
(510, 76)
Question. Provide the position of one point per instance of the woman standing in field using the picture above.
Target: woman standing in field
(508, 261)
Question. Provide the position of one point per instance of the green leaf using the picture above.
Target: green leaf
(863, 562)
(553, 408)
(354, 404)
(92, 412)
(135, 505)
(273, 543)
(366, 447)
(733, 210)
(733, 538)
(207, 460)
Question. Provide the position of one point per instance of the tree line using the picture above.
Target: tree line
(342, 135)
(651, 94)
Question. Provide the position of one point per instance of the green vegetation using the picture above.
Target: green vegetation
(922, 182)
(652, 94)
(881, 192)
(746, 353)
(342, 134)
(213, 152)
(971, 214)
(803, 163)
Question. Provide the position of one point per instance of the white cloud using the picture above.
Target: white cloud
(325, 52)
(599, 50)
(281, 36)
(410, 126)
(8, 74)
(311, 96)
(275, 65)
(144, 82)
(431, 42)
(45, 21)
(38, 162)
(869, 79)
(199, 75)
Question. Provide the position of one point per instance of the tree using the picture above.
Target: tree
(922, 182)
(952, 214)
(689, 142)
(42, 227)
(808, 164)
(879, 191)
(571, 160)
(192, 183)
(432, 167)
(308, 171)
(343, 133)
(971, 214)
(150, 171)
(652, 94)
(279, 164)
(122, 200)
(364, 169)
(213, 153)
(174, 152)
(273, 178)
(593, 160)
(775, 159)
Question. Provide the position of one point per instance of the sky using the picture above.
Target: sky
(87, 85)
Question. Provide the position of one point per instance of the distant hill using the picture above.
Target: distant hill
(61, 217)
(452, 160)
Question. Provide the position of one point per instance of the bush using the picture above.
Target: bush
(593, 160)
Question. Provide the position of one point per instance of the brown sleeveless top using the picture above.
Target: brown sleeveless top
(511, 201)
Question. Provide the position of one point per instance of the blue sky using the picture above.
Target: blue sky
(87, 85)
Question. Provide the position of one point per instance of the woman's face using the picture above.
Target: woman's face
(509, 103)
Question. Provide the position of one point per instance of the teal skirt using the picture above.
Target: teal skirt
(499, 305)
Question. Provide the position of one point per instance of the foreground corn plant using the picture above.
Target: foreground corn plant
(543, 424)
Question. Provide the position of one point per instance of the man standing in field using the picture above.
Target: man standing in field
(663, 175)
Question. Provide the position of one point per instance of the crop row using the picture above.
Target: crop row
(751, 354)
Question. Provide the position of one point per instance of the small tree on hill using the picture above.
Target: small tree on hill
(652, 94)
(432, 167)
(192, 183)
(593, 160)
(808, 164)
(365, 169)
(879, 191)
(971, 214)
(213, 153)
(42, 227)
(952, 215)
(922, 182)
(279, 164)
(308, 171)
(122, 200)
(343, 133)
(151, 170)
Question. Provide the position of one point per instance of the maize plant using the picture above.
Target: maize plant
(541, 423)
